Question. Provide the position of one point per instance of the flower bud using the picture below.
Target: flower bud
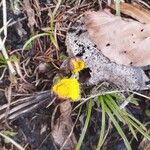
(76, 64)
(67, 88)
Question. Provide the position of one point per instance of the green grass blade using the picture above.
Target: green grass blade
(85, 125)
(114, 108)
(113, 102)
(144, 133)
(103, 125)
(126, 116)
(51, 34)
(117, 7)
(131, 121)
(33, 38)
(118, 128)
(132, 131)
(124, 113)
(137, 122)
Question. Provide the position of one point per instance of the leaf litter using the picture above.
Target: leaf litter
(99, 66)
(124, 42)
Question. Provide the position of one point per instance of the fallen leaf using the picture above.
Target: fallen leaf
(135, 11)
(62, 130)
(123, 41)
(98, 67)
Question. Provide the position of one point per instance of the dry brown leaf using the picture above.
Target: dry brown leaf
(62, 130)
(123, 41)
(98, 67)
(135, 11)
(30, 14)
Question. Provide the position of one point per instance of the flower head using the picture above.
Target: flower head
(76, 64)
(67, 89)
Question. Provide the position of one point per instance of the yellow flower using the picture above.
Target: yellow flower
(67, 89)
(77, 64)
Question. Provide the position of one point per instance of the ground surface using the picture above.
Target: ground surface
(39, 65)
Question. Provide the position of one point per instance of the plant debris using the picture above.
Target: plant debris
(45, 42)
(135, 11)
(124, 42)
(101, 68)
(62, 130)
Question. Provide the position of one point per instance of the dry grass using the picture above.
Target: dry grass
(38, 63)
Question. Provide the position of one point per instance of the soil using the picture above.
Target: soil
(40, 64)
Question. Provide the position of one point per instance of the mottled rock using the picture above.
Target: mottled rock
(101, 68)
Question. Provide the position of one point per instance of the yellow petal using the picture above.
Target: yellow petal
(77, 64)
(67, 89)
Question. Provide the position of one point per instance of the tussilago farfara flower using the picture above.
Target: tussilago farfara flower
(76, 64)
(67, 89)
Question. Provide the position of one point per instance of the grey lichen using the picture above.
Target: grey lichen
(102, 69)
